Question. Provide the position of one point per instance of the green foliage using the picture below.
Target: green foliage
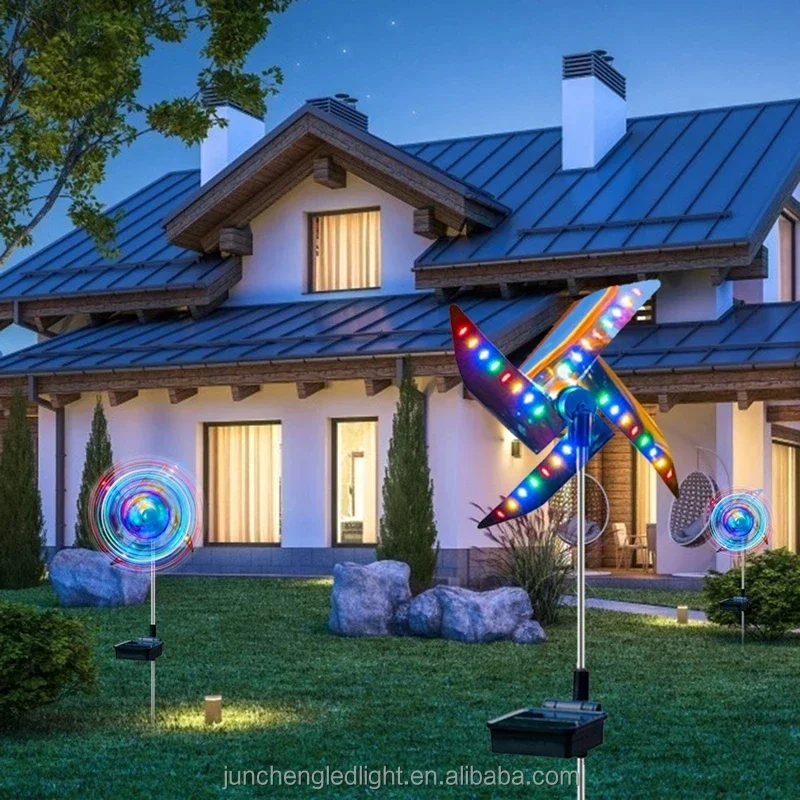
(99, 459)
(772, 584)
(408, 528)
(20, 504)
(43, 656)
(69, 84)
(528, 553)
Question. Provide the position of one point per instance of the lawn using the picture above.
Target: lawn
(691, 713)
(653, 597)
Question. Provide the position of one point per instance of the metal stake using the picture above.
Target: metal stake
(580, 463)
(152, 635)
(744, 558)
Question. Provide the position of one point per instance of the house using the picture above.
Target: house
(259, 313)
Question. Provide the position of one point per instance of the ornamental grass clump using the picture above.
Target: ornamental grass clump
(529, 553)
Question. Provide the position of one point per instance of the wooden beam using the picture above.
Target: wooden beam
(757, 269)
(508, 291)
(426, 224)
(664, 403)
(118, 398)
(307, 388)
(239, 393)
(467, 394)
(743, 400)
(574, 287)
(718, 275)
(96, 319)
(43, 324)
(791, 435)
(328, 173)
(236, 241)
(144, 315)
(445, 295)
(198, 312)
(446, 383)
(783, 414)
(179, 395)
(373, 386)
(63, 400)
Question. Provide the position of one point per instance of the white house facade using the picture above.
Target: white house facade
(255, 325)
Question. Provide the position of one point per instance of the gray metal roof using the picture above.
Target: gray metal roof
(765, 335)
(369, 326)
(72, 265)
(695, 178)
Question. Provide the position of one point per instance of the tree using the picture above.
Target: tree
(408, 528)
(99, 459)
(21, 519)
(70, 72)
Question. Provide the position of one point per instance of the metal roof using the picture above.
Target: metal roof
(688, 179)
(765, 335)
(363, 327)
(72, 265)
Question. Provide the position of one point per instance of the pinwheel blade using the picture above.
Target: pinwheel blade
(548, 477)
(521, 407)
(621, 408)
(567, 353)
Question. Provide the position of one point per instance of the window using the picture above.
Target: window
(243, 483)
(355, 481)
(787, 259)
(785, 490)
(345, 250)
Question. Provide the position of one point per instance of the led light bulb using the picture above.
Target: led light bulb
(528, 398)
(463, 330)
(625, 420)
(607, 323)
(511, 504)
(567, 449)
(522, 492)
(483, 355)
(473, 342)
(516, 387)
(576, 356)
(556, 461)
(603, 399)
(545, 472)
(627, 301)
(614, 410)
(586, 344)
(505, 377)
(495, 365)
(634, 430)
(534, 482)
(653, 452)
(616, 312)
(661, 463)
(539, 411)
(564, 370)
(644, 440)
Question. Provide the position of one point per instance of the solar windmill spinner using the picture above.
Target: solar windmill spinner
(564, 397)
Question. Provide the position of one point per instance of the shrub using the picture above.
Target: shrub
(21, 519)
(772, 584)
(408, 529)
(44, 655)
(531, 555)
(99, 459)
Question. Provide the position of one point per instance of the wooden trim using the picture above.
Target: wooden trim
(306, 388)
(426, 224)
(179, 395)
(236, 241)
(446, 383)
(374, 386)
(62, 400)
(239, 393)
(783, 413)
(125, 301)
(118, 398)
(607, 266)
(664, 403)
(328, 173)
(743, 400)
(785, 434)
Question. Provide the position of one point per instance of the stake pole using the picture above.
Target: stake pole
(152, 634)
(581, 456)
(744, 558)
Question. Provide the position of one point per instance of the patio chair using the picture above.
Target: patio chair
(624, 546)
(650, 556)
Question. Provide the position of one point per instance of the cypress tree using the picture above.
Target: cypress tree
(21, 521)
(99, 458)
(408, 528)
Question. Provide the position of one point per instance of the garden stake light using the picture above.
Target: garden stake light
(143, 515)
(564, 383)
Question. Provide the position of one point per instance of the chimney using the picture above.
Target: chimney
(343, 107)
(224, 145)
(593, 109)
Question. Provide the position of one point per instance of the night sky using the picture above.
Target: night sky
(427, 69)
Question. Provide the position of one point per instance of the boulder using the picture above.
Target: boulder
(478, 617)
(529, 632)
(400, 620)
(88, 578)
(365, 597)
(425, 615)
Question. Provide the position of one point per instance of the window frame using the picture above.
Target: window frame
(310, 217)
(795, 448)
(207, 493)
(334, 482)
(793, 288)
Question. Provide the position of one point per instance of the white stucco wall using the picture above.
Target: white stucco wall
(277, 270)
(689, 296)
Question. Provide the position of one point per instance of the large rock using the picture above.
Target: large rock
(88, 578)
(365, 597)
(529, 632)
(478, 617)
(425, 615)
(400, 620)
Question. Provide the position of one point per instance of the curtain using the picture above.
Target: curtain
(244, 483)
(357, 481)
(784, 496)
(346, 251)
(646, 487)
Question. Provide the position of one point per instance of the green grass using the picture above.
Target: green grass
(691, 713)
(654, 597)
